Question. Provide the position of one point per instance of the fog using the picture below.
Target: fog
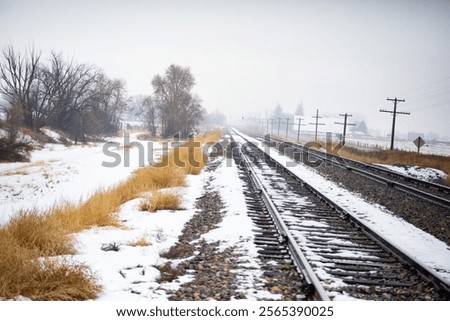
(249, 56)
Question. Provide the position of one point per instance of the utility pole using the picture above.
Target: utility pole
(298, 131)
(316, 123)
(345, 126)
(394, 114)
(278, 132)
(287, 127)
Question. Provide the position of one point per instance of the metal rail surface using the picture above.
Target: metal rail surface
(436, 193)
(370, 243)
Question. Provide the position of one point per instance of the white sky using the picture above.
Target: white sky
(247, 56)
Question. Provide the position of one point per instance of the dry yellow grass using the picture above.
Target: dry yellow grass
(190, 156)
(43, 234)
(161, 200)
(400, 158)
(16, 172)
(30, 238)
(140, 241)
(24, 272)
(99, 210)
(22, 170)
(158, 176)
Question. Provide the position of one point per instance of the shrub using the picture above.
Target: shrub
(14, 150)
(161, 201)
(140, 241)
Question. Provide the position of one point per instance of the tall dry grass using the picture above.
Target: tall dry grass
(23, 271)
(398, 157)
(41, 234)
(191, 156)
(161, 200)
(140, 241)
(30, 239)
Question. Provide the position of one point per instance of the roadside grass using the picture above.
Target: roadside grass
(190, 156)
(31, 239)
(23, 271)
(161, 200)
(398, 157)
(140, 241)
(42, 234)
(22, 170)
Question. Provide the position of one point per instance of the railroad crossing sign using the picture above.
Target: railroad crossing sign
(419, 142)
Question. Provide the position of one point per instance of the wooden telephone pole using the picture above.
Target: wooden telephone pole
(345, 126)
(316, 123)
(394, 114)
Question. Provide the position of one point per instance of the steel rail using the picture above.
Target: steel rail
(315, 286)
(331, 158)
(399, 253)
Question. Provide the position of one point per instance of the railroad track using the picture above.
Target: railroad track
(337, 254)
(432, 192)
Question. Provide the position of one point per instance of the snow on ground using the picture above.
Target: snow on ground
(59, 173)
(130, 273)
(236, 230)
(423, 246)
(372, 142)
(430, 147)
(424, 173)
(51, 134)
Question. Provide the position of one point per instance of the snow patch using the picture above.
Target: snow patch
(423, 173)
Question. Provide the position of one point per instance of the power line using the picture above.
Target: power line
(437, 104)
(426, 85)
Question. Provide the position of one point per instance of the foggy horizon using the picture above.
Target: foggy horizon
(247, 57)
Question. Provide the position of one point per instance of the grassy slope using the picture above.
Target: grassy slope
(30, 239)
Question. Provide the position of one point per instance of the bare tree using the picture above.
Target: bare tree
(109, 102)
(178, 108)
(71, 88)
(150, 114)
(76, 98)
(192, 114)
(18, 74)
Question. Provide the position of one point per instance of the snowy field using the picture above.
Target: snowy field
(69, 174)
(367, 143)
(432, 147)
(58, 173)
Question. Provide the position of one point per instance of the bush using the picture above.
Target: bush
(161, 201)
(14, 150)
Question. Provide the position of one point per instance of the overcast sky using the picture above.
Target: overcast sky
(247, 56)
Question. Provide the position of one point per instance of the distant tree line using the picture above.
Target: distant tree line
(78, 99)
(83, 102)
